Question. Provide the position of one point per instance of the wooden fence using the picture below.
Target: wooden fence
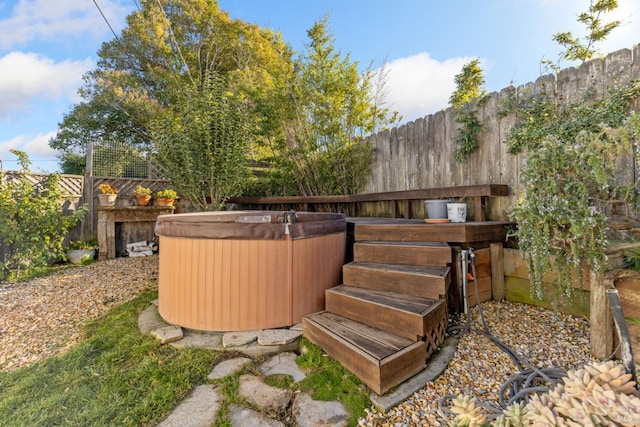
(419, 154)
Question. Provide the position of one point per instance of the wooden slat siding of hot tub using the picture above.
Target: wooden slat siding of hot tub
(317, 266)
(241, 304)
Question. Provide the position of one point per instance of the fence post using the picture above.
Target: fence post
(600, 316)
(87, 192)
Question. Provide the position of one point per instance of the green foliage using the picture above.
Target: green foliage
(116, 376)
(328, 380)
(316, 141)
(72, 164)
(167, 193)
(552, 223)
(539, 118)
(32, 223)
(202, 142)
(464, 100)
(575, 50)
(569, 177)
(166, 45)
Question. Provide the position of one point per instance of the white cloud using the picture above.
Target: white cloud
(28, 76)
(37, 148)
(38, 20)
(420, 85)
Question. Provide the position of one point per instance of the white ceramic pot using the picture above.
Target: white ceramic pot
(457, 212)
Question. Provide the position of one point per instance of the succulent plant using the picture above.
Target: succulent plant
(600, 394)
(468, 412)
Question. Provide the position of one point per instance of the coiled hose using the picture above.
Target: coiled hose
(520, 386)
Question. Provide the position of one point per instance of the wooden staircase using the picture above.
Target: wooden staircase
(390, 313)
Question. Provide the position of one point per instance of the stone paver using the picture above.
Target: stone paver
(235, 339)
(244, 417)
(283, 363)
(167, 334)
(262, 395)
(278, 336)
(313, 413)
(228, 367)
(198, 410)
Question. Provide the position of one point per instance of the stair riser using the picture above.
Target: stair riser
(400, 255)
(409, 325)
(390, 281)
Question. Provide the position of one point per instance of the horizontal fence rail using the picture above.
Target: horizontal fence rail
(400, 200)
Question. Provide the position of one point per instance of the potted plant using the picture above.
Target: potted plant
(82, 252)
(143, 195)
(109, 194)
(166, 197)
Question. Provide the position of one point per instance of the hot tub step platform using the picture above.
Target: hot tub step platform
(380, 359)
(425, 254)
(427, 282)
(407, 316)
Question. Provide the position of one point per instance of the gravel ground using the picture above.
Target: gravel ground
(43, 317)
(479, 367)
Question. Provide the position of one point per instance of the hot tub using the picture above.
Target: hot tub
(246, 270)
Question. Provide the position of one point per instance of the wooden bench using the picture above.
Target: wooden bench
(478, 193)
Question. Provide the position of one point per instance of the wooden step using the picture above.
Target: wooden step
(407, 316)
(380, 359)
(425, 254)
(427, 282)
(417, 231)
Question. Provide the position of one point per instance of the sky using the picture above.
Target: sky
(46, 46)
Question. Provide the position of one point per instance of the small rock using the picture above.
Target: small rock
(236, 339)
(228, 367)
(262, 395)
(284, 363)
(296, 327)
(241, 417)
(312, 413)
(198, 410)
(278, 336)
(167, 334)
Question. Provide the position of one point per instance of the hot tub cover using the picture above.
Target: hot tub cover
(249, 225)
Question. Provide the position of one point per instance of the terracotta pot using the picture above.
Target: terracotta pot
(143, 200)
(164, 202)
(107, 199)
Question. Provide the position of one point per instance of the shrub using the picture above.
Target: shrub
(32, 224)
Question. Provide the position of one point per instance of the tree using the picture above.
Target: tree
(166, 46)
(202, 142)
(319, 146)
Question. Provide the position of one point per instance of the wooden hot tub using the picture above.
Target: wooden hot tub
(246, 270)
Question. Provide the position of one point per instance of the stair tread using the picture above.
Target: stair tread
(409, 269)
(397, 301)
(375, 342)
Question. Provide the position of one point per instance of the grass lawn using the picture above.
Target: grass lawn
(118, 376)
(115, 376)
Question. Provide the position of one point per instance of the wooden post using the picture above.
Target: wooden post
(497, 271)
(600, 316)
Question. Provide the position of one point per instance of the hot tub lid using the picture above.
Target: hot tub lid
(249, 225)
